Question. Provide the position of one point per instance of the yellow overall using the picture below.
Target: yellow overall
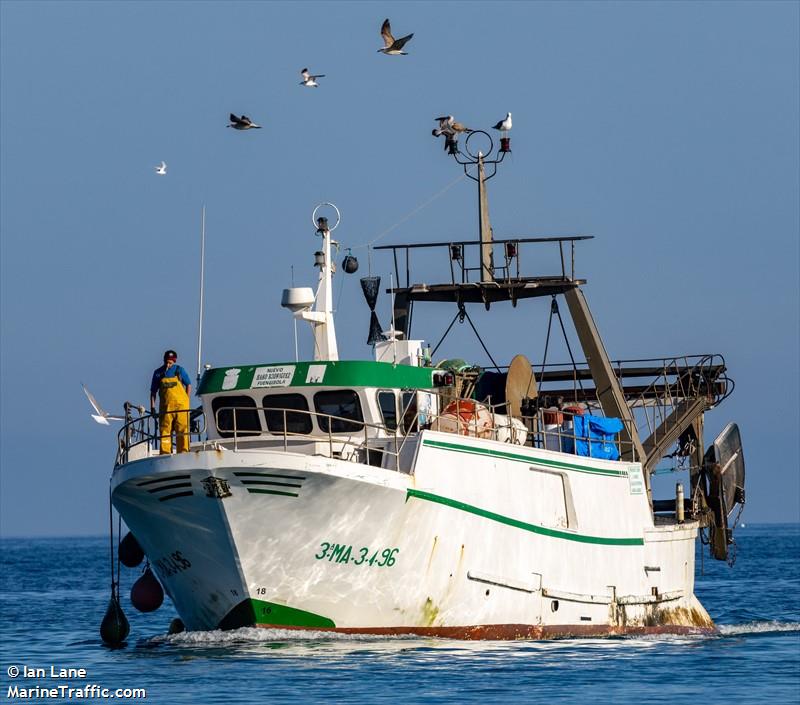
(173, 399)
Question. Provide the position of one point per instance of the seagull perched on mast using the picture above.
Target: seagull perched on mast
(445, 122)
(504, 125)
(161, 169)
(392, 46)
(448, 126)
(309, 80)
(243, 123)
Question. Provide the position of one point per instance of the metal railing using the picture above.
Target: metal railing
(549, 429)
(143, 429)
(344, 445)
(463, 256)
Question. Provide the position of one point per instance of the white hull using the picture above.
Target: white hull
(483, 540)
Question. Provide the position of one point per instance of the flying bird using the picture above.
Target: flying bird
(102, 416)
(308, 80)
(392, 46)
(504, 125)
(161, 169)
(243, 123)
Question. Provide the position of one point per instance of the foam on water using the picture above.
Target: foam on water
(758, 628)
(258, 635)
(253, 635)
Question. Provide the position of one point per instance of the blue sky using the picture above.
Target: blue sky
(669, 131)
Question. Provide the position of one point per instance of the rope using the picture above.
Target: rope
(119, 540)
(111, 541)
(411, 213)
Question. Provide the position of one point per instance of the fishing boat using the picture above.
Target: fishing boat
(405, 494)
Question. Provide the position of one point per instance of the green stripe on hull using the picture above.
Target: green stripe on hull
(250, 612)
(518, 457)
(508, 521)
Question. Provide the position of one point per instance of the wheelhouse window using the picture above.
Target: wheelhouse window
(387, 401)
(343, 403)
(409, 400)
(274, 405)
(237, 413)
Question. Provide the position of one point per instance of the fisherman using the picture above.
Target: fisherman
(174, 388)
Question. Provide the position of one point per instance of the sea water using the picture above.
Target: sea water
(54, 592)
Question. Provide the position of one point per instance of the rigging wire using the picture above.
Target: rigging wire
(480, 340)
(554, 310)
(411, 213)
(547, 340)
(569, 350)
(461, 314)
(441, 340)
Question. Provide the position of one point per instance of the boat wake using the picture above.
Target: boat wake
(758, 628)
(252, 636)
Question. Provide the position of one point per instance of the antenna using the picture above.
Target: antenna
(294, 322)
(202, 289)
(394, 332)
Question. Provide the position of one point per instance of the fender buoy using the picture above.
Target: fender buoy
(130, 552)
(147, 595)
(115, 627)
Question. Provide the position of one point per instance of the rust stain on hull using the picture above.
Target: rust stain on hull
(504, 632)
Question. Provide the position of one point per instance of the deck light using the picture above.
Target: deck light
(322, 225)
(319, 258)
(443, 379)
(455, 253)
(511, 250)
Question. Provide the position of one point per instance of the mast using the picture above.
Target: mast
(321, 317)
(202, 290)
(487, 261)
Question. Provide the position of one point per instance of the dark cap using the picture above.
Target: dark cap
(170, 355)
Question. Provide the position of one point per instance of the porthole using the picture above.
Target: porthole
(554, 605)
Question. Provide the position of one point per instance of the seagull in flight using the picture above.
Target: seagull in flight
(243, 123)
(161, 169)
(392, 46)
(504, 125)
(309, 80)
(102, 416)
